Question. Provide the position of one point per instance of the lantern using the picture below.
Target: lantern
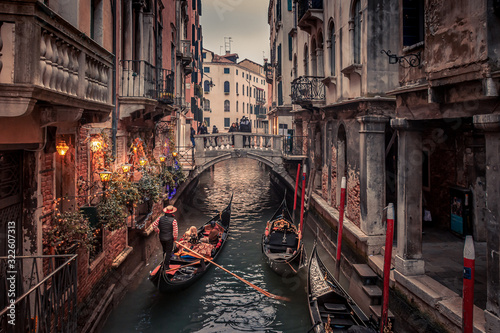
(126, 167)
(162, 158)
(62, 148)
(95, 145)
(143, 161)
(105, 176)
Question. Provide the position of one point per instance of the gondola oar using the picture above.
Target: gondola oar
(266, 293)
(191, 264)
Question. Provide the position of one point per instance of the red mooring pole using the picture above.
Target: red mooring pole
(302, 201)
(387, 265)
(468, 286)
(340, 230)
(296, 188)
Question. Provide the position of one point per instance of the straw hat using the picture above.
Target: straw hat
(169, 209)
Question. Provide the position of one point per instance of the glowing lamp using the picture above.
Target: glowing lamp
(126, 167)
(95, 145)
(105, 176)
(62, 148)
(174, 154)
(143, 161)
(162, 158)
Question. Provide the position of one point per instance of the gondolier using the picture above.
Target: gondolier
(166, 227)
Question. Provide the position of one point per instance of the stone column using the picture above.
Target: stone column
(127, 30)
(490, 123)
(320, 63)
(372, 173)
(409, 259)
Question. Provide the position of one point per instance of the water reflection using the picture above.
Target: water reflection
(218, 302)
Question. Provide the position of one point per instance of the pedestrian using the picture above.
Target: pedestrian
(245, 127)
(232, 129)
(215, 130)
(192, 135)
(166, 227)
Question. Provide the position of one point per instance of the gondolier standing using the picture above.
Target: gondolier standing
(166, 227)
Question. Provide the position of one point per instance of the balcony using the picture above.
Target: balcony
(185, 52)
(308, 90)
(142, 85)
(310, 14)
(54, 63)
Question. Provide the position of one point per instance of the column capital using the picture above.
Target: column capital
(404, 124)
(487, 122)
(373, 123)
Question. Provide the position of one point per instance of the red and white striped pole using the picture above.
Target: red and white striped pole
(296, 187)
(340, 230)
(468, 286)
(387, 265)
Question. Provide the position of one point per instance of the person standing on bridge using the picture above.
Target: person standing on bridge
(215, 131)
(192, 135)
(166, 227)
(232, 129)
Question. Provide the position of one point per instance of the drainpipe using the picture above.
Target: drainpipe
(114, 120)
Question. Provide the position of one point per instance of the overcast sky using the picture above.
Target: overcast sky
(245, 21)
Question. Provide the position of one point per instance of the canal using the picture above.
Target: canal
(218, 302)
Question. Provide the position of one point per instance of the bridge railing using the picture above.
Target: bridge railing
(294, 145)
(237, 140)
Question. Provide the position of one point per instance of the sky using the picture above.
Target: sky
(245, 21)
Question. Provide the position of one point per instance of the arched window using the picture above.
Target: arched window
(314, 69)
(331, 36)
(206, 86)
(306, 60)
(206, 105)
(226, 106)
(226, 87)
(319, 55)
(356, 32)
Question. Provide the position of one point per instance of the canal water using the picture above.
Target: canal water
(218, 302)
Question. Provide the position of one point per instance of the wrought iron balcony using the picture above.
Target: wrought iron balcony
(141, 79)
(307, 90)
(44, 292)
(310, 12)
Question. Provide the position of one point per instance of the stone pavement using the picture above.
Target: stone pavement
(443, 255)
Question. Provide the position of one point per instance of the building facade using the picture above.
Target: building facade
(233, 90)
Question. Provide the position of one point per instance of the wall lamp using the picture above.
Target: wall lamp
(413, 59)
(62, 147)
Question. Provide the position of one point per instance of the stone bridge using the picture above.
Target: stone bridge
(265, 148)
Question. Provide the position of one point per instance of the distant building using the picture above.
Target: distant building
(233, 90)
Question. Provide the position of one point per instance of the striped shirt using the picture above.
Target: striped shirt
(174, 225)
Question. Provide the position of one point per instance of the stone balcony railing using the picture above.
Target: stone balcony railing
(45, 58)
(308, 90)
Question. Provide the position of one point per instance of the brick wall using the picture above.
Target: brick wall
(353, 211)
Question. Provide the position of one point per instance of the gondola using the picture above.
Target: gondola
(186, 269)
(283, 251)
(330, 307)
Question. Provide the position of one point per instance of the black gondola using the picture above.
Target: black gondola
(330, 305)
(283, 251)
(185, 269)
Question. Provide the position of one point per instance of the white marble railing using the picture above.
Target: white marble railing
(67, 69)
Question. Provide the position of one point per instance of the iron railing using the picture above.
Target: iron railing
(141, 79)
(308, 89)
(305, 5)
(294, 145)
(185, 157)
(43, 290)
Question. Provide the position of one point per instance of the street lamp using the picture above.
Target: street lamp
(162, 158)
(143, 161)
(95, 145)
(62, 148)
(105, 176)
(174, 154)
(126, 167)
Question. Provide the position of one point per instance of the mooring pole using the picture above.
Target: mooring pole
(387, 265)
(468, 286)
(296, 188)
(341, 227)
(302, 203)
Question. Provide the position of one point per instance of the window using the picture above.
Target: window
(243, 107)
(413, 22)
(247, 90)
(206, 86)
(251, 109)
(236, 88)
(236, 106)
(206, 69)
(236, 72)
(226, 70)
(356, 42)
(331, 35)
(250, 95)
(250, 77)
(306, 61)
(243, 89)
(290, 47)
(243, 74)
(226, 122)
(96, 21)
(206, 105)
(289, 5)
(226, 87)
(204, 55)
(226, 106)
(280, 93)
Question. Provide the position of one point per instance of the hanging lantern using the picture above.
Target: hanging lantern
(95, 145)
(174, 154)
(162, 158)
(126, 167)
(105, 176)
(143, 161)
(62, 147)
